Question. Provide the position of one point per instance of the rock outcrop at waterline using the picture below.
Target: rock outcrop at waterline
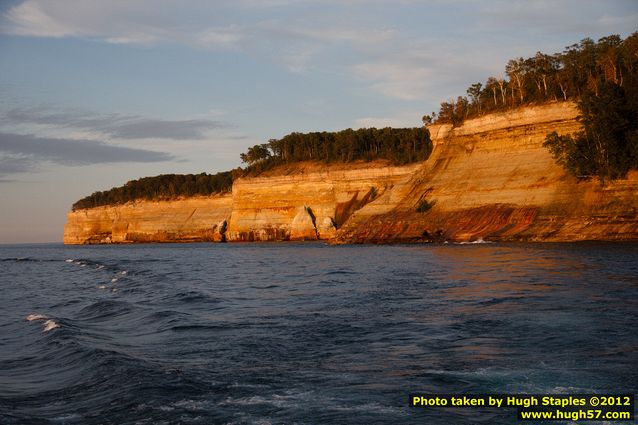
(490, 178)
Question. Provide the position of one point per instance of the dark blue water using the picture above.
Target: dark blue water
(307, 333)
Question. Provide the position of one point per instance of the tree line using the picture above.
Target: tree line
(397, 145)
(580, 69)
(165, 186)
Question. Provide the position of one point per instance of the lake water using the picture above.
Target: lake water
(308, 333)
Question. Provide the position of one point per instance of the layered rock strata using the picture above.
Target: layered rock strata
(489, 179)
(492, 179)
(195, 219)
(311, 203)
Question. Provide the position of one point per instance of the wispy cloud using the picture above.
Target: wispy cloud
(396, 79)
(112, 125)
(14, 164)
(22, 153)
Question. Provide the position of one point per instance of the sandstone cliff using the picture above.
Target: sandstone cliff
(181, 220)
(312, 202)
(490, 179)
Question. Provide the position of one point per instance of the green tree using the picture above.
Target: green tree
(474, 92)
(608, 145)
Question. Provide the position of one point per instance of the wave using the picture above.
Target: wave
(192, 297)
(78, 376)
(105, 309)
(338, 272)
(25, 259)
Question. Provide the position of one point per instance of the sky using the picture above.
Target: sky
(95, 93)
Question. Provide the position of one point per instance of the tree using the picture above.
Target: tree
(256, 153)
(515, 70)
(427, 119)
(461, 111)
(446, 113)
(474, 92)
(492, 86)
(608, 145)
(502, 85)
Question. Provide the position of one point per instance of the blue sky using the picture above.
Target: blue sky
(94, 93)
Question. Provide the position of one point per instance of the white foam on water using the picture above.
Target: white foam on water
(277, 400)
(102, 286)
(100, 267)
(124, 273)
(114, 280)
(66, 418)
(370, 407)
(50, 325)
(69, 260)
(32, 317)
(114, 289)
(478, 241)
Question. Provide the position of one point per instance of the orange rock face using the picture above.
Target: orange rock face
(195, 219)
(312, 202)
(490, 179)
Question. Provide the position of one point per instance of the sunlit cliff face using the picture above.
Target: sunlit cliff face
(489, 179)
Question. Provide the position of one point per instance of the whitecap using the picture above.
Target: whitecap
(69, 260)
(32, 317)
(114, 280)
(102, 286)
(49, 325)
(477, 241)
(124, 273)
